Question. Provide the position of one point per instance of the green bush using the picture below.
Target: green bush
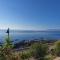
(26, 55)
(5, 50)
(57, 48)
(39, 50)
(49, 57)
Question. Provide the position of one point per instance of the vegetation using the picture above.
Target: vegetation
(6, 50)
(57, 48)
(37, 50)
(49, 57)
(26, 55)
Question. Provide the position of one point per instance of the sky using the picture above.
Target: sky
(30, 14)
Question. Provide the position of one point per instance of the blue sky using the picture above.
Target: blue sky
(30, 14)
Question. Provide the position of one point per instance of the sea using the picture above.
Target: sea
(17, 35)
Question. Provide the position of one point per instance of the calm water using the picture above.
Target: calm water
(17, 36)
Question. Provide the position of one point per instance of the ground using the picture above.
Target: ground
(57, 58)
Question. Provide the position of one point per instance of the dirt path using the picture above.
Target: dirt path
(57, 58)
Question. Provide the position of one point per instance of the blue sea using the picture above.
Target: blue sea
(17, 36)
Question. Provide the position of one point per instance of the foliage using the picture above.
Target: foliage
(5, 50)
(39, 50)
(26, 55)
(8, 43)
(49, 57)
(57, 48)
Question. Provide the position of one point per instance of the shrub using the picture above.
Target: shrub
(5, 50)
(39, 50)
(57, 48)
(26, 55)
(49, 57)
